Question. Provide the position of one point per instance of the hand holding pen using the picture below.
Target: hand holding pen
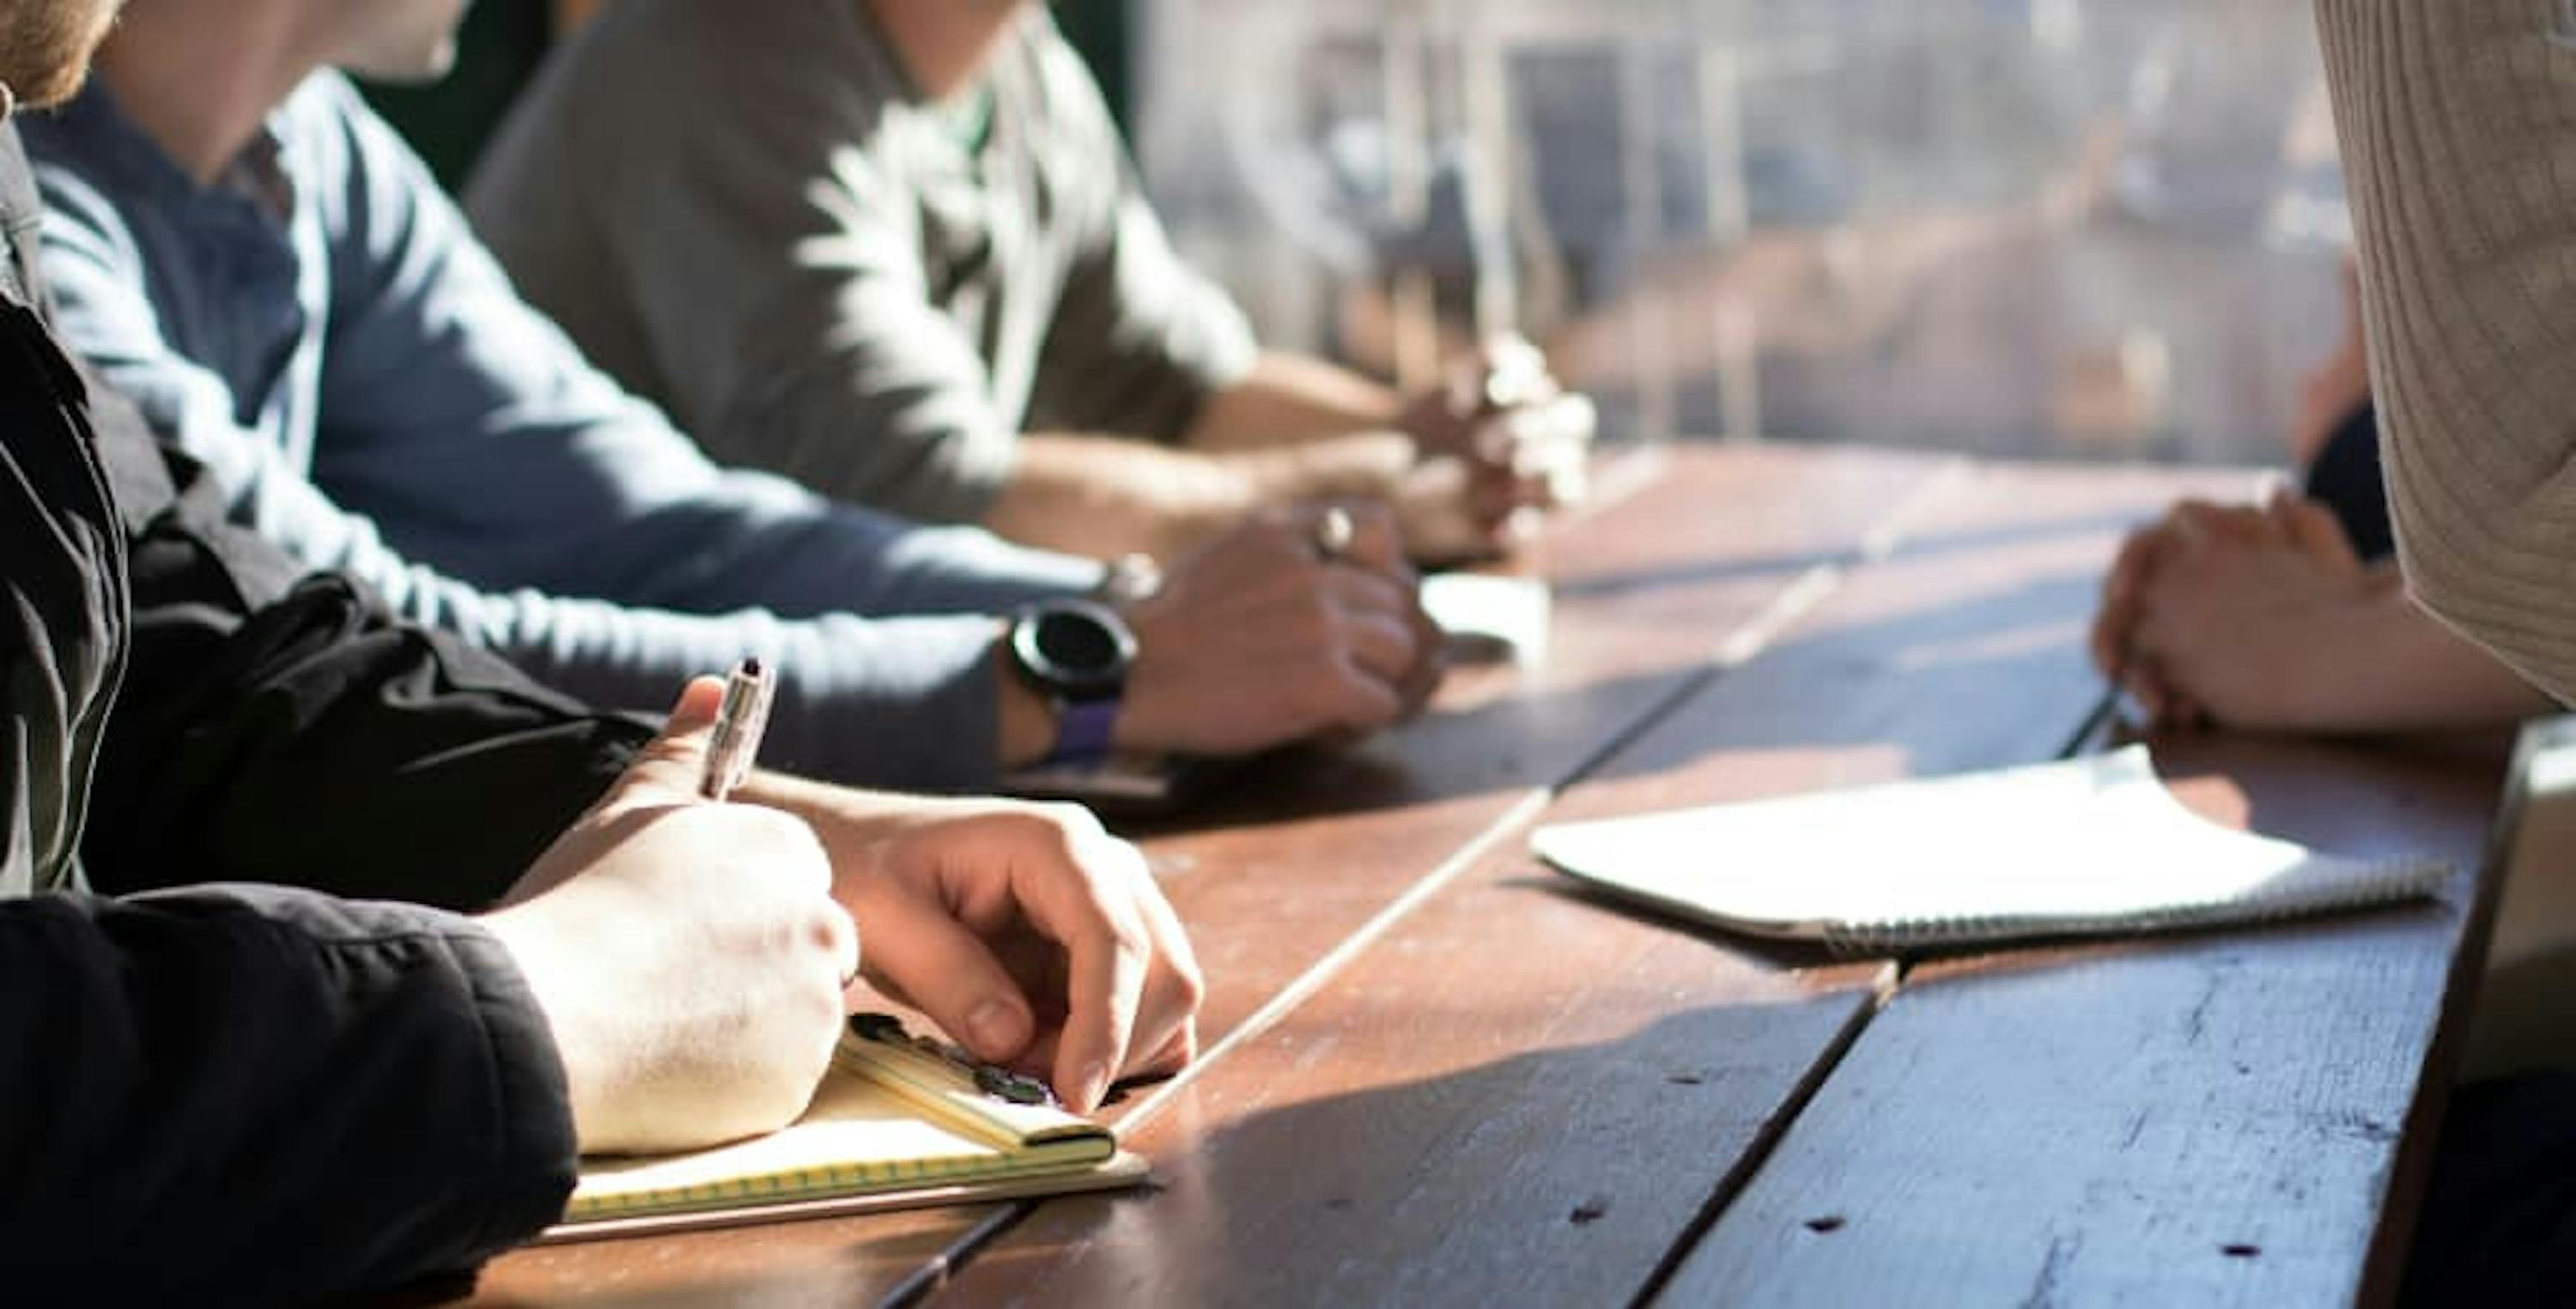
(690, 957)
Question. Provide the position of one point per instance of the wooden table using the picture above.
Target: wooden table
(1434, 1074)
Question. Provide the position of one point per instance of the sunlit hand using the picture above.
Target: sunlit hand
(1260, 640)
(2231, 624)
(1500, 441)
(688, 956)
(1034, 938)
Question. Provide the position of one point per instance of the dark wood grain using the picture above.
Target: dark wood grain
(1307, 849)
(1521, 1096)
(2217, 1119)
(783, 1266)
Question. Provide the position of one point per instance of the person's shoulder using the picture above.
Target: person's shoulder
(1060, 86)
(357, 176)
(89, 139)
(324, 102)
(83, 169)
(692, 75)
(636, 38)
(331, 135)
(678, 44)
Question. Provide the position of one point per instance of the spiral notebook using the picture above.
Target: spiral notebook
(2090, 847)
(899, 1122)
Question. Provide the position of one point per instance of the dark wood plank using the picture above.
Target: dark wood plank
(1307, 850)
(831, 1263)
(2214, 1119)
(1520, 1096)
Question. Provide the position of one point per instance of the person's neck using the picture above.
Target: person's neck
(200, 79)
(945, 45)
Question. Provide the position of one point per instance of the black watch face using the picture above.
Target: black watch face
(1078, 649)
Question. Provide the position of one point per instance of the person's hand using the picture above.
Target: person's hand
(1499, 442)
(1259, 639)
(2229, 623)
(688, 956)
(1032, 937)
(2114, 639)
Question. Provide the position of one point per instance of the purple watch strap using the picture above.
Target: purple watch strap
(1083, 730)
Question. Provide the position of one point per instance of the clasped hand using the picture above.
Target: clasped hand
(2216, 614)
(1500, 441)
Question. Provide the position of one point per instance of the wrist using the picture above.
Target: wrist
(1074, 655)
(2316, 685)
(530, 941)
(1209, 499)
(1024, 720)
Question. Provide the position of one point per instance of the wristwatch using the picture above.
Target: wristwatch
(1076, 653)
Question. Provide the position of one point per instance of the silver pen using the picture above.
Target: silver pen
(740, 720)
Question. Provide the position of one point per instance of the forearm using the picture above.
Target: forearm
(2450, 116)
(2385, 665)
(875, 701)
(1108, 496)
(1288, 399)
(197, 783)
(905, 702)
(258, 1096)
(1105, 496)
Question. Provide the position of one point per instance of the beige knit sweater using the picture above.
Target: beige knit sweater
(2459, 136)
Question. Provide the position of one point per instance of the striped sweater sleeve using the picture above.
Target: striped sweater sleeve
(2458, 120)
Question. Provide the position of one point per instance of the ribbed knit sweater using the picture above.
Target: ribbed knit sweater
(2458, 120)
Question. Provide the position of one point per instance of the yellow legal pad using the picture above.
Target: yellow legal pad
(893, 1126)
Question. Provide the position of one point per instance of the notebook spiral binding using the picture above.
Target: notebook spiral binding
(2388, 881)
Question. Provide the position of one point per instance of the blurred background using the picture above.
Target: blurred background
(2033, 228)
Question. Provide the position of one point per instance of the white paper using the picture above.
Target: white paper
(1509, 612)
(2091, 845)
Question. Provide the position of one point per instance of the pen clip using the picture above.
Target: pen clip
(991, 1079)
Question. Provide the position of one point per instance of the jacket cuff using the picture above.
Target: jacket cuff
(536, 1152)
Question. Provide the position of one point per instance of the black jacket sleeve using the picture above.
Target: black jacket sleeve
(251, 1095)
(262, 1096)
(282, 729)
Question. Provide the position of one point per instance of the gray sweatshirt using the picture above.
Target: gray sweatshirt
(747, 213)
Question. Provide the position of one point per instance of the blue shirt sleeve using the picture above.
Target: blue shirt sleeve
(450, 406)
(892, 702)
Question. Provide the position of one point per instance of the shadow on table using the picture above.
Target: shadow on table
(1550, 1176)
(823, 1262)
(1986, 667)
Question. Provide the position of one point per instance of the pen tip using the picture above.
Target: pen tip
(751, 666)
